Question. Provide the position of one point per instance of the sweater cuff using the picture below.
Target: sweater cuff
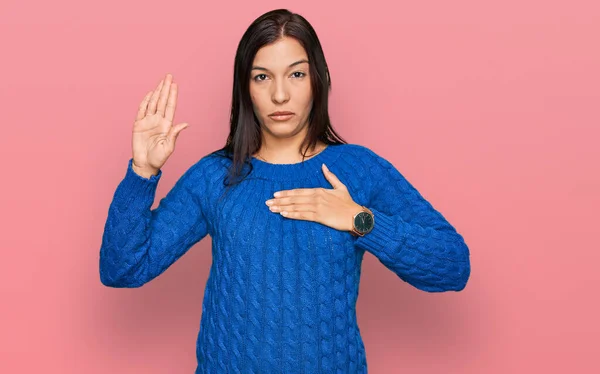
(386, 230)
(135, 189)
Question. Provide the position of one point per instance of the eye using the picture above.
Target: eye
(259, 75)
(256, 77)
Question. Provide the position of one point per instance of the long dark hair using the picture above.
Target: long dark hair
(245, 134)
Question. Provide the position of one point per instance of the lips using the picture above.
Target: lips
(281, 116)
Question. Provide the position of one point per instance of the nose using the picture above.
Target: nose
(280, 94)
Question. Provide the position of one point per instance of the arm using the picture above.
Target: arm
(138, 243)
(410, 236)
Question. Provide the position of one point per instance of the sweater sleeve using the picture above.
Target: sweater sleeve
(410, 236)
(138, 243)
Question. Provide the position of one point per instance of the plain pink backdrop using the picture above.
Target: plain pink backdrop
(491, 109)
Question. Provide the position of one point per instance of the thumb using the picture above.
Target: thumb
(176, 130)
(335, 182)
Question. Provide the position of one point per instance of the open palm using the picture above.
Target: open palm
(154, 135)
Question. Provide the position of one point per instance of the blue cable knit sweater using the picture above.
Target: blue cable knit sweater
(282, 292)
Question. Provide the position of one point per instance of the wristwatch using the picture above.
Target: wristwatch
(363, 222)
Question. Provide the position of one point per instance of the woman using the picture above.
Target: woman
(291, 209)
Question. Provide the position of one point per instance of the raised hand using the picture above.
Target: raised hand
(154, 134)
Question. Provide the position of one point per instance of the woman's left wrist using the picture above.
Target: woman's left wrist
(353, 212)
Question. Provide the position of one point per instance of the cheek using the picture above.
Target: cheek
(307, 100)
(256, 104)
(306, 93)
(310, 106)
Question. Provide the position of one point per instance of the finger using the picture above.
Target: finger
(335, 182)
(290, 200)
(143, 106)
(305, 216)
(170, 111)
(298, 192)
(164, 95)
(297, 208)
(175, 130)
(154, 99)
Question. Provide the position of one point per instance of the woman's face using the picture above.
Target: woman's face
(280, 81)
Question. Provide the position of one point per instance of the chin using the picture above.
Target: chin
(284, 128)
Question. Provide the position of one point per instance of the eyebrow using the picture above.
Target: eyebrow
(291, 65)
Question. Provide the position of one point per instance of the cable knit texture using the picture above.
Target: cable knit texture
(281, 294)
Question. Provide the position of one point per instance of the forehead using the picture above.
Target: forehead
(280, 54)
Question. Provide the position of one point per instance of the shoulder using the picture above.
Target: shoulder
(204, 179)
(362, 170)
(209, 163)
(372, 167)
(211, 171)
(359, 154)
(198, 176)
(213, 162)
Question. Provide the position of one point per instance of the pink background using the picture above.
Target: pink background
(491, 109)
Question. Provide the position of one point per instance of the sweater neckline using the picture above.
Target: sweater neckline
(308, 168)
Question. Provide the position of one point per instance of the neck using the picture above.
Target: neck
(286, 153)
(309, 168)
